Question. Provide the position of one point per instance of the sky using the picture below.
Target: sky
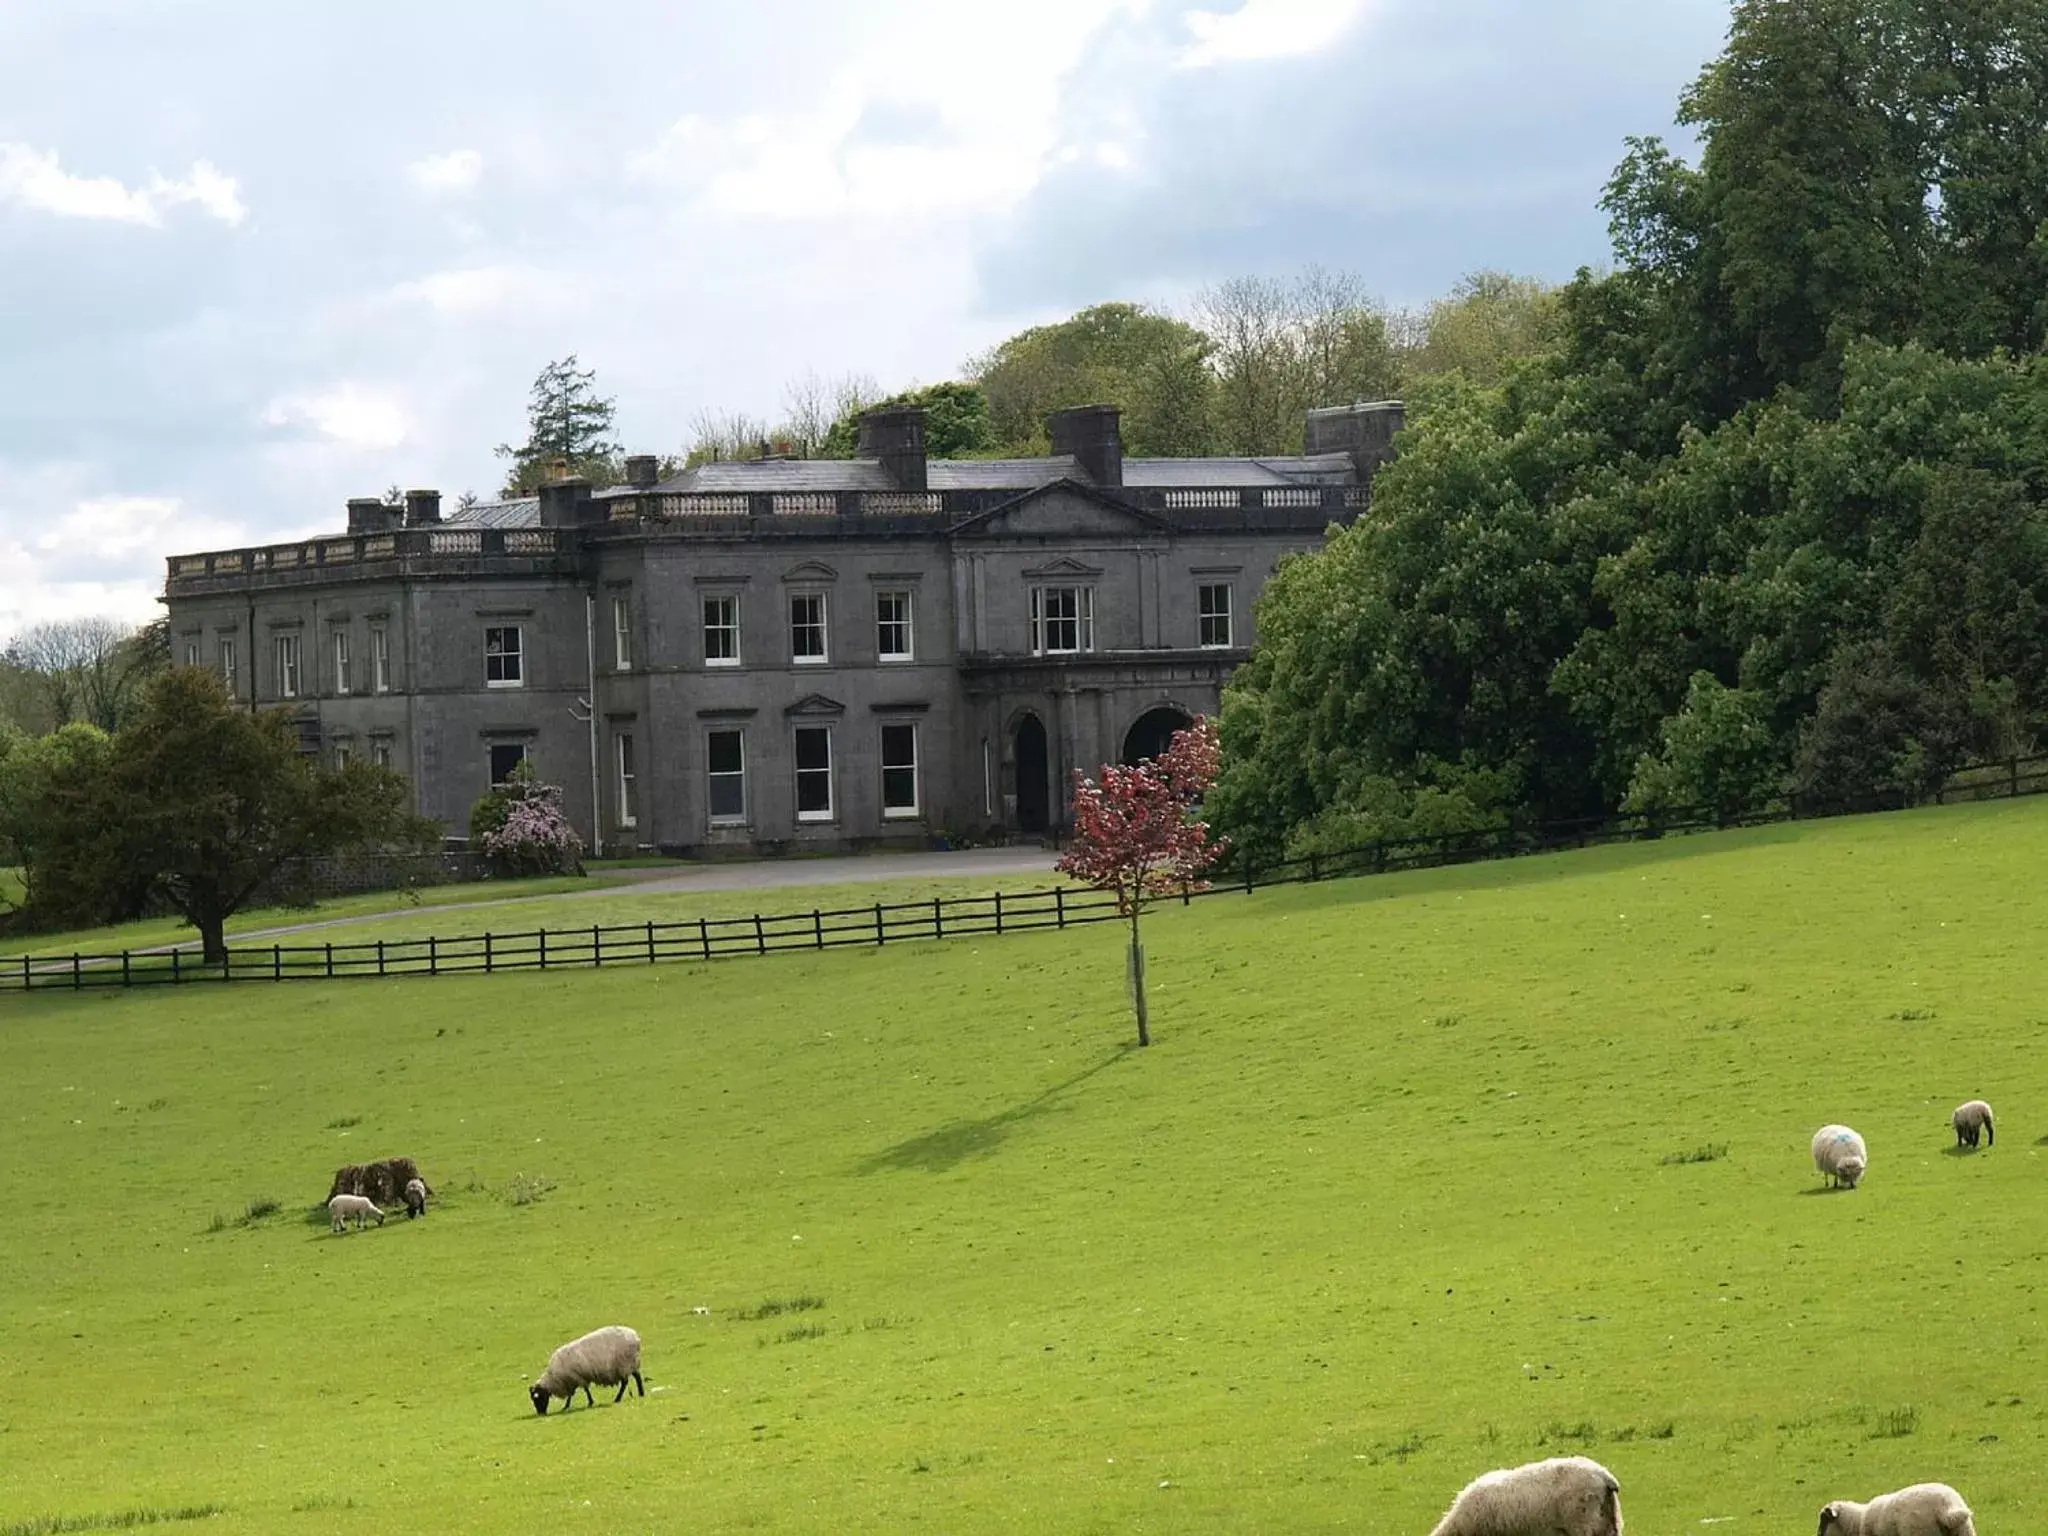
(258, 258)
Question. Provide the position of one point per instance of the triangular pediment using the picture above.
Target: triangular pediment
(810, 570)
(815, 704)
(1064, 509)
(1065, 566)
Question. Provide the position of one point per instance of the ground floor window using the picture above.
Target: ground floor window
(899, 770)
(814, 773)
(726, 776)
(628, 782)
(506, 756)
(380, 754)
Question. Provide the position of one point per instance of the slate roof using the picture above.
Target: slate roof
(522, 512)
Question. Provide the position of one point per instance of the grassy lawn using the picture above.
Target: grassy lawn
(1425, 1174)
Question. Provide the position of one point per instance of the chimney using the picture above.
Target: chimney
(422, 508)
(1093, 436)
(642, 471)
(895, 435)
(1365, 431)
(369, 514)
(567, 504)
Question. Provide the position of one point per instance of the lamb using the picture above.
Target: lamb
(1840, 1155)
(341, 1207)
(610, 1355)
(1925, 1509)
(415, 1198)
(1972, 1120)
(1564, 1496)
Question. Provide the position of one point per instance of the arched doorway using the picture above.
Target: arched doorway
(1152, 733)
(1034, 802)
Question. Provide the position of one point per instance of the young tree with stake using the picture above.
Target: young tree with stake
(1139, 833)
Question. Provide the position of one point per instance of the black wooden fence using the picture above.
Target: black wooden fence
(885, 923)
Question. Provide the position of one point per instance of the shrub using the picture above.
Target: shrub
(524, 830)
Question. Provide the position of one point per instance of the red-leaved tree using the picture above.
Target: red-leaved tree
(1139, 832)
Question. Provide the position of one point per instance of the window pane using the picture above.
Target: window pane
(813, 748)
(721, 629)
(807, 626)
(505, 759)
(725, 752)
(899, 769)
(892, 624)
(813, 773)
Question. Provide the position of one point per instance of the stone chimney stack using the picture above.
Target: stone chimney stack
(422, 509)
(1364, 431)
(643, 470)
(369, 514)
(567, 504)
(895, 435)
(1093, 435)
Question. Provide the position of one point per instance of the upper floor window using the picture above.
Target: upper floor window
(722, 631)
(1062, 620)
(287, 666)
(622, 634)
(380, 659)
(895, 639)
(503, 658)
(192, 653)
(341, 661)
(227, 661)
(807, 627)
(1212, 606)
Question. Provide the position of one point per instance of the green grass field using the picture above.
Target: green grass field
(1425, 1174)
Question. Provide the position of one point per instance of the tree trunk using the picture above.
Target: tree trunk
(213, 936)
(1137, 970)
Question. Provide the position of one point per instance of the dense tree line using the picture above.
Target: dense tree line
(1768, 514)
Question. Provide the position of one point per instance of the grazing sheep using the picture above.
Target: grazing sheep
(1972, 1120)
(1565, 1496)
(1840, 1155)
(1925, 1509)
(608, 1356)
(415, 1198)
(341, 1207)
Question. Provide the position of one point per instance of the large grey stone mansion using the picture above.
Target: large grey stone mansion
(782, 655)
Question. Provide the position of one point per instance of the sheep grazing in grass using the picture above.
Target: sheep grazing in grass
(1565, 1496)
(415, 1198)
(1925, 1509)
(1971, 1121)
(1840, 1155)
(607, 1357)
(341, 1207)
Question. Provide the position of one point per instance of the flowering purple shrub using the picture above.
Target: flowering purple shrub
(535, 838)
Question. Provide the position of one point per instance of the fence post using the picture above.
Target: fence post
(433, 955)
(596, 946)
(1315, 868)
(277, 962)
(999, 911)
(938, 919)
(227, 965)
(1247, 876)
(25, 982)
(487, 952)
(176, 975)
(380, 957)
(2013, 774)
(760, 936)
(650, 941)
(1185, 895)
(330, 959)
(124, 969)
(880, 936)
(1059, 906)
(543, 949)
(818, 927)
(77, 974)
(704, 936)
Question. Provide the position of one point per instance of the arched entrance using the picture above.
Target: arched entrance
(1034, 802)
(1152, 733)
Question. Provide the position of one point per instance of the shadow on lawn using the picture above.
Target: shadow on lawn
(952, 1145)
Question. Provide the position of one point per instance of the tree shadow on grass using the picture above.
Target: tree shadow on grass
(951, 1145)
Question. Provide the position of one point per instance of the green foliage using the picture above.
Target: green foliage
(1490, 322)
(567, 424)
(1719, 752)
(1154, 367)
(956, 423)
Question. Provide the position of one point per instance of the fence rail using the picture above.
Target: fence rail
(883, 923)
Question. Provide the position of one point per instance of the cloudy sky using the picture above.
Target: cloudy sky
(256, 258)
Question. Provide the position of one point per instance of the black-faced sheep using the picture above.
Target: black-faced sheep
(1840, 1155)
(415, 1198)
(1971, 1121)
(607, 1356)
(1925, 1509)
(341, 1207)
(1565, 1496)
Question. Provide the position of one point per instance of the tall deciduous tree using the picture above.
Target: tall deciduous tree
(1152, 366)
(90, 669)
(567, 421)
(956, 423)
(1139, 832)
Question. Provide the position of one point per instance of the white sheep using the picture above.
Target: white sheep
(1972, 1120)
(1925, 1509)
(1564, 1496)
(1840, 1155)
(607, 1356)
(341, 1207)
(415, 1198)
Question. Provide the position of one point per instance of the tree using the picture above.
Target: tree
(1282, 348)
(568, 423)
(1139, 833)
(956, 423)
(206, 801)
(1490, 321)
(1152, 366)
(90, 669)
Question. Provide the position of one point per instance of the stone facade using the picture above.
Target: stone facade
(782, 656)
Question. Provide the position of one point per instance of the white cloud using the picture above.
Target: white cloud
(456, 171)
(1267, 29)
(352, 415)
(480, 290)
(35, 179)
